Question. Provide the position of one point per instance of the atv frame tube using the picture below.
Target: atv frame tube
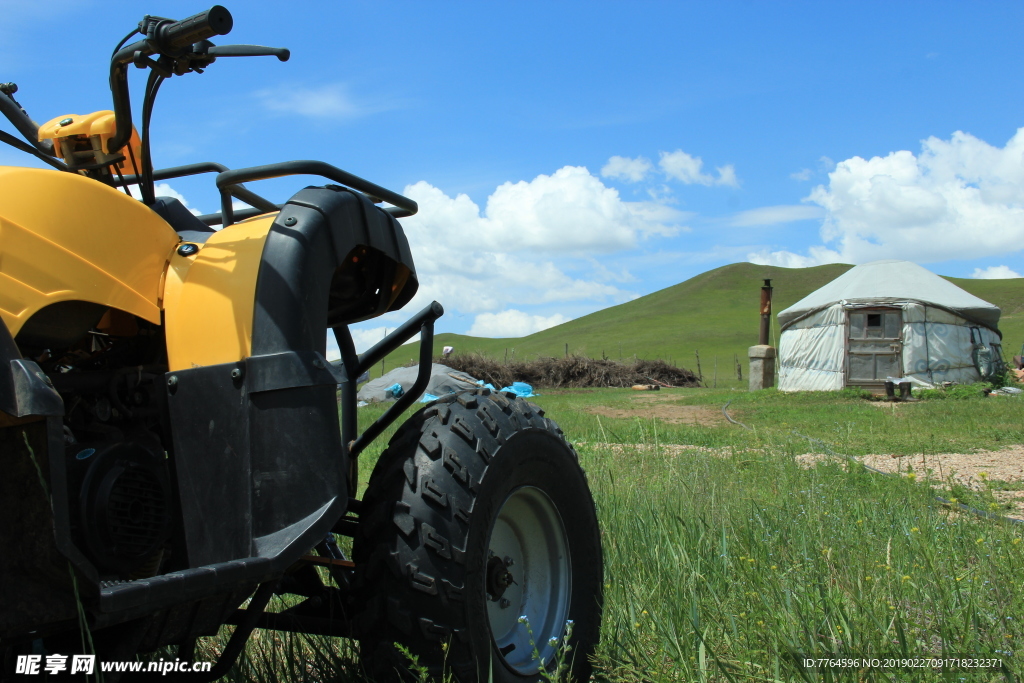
(262, 204)
(422, 323)
(229, 179)
(25, 125)
(354, 365)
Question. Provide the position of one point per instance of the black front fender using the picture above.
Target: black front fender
(25, 390)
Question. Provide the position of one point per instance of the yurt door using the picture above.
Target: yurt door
(874, 346)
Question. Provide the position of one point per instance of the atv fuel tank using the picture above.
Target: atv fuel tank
(64, 237)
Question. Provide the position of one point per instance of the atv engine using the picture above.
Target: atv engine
(122, 493)
(106, 366)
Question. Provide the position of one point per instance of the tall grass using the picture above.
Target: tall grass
(726, 564)
(297, 658)
(723, 567)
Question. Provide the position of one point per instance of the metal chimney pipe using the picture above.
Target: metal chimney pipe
(766, 311)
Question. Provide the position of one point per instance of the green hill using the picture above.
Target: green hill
(1007, 295)
(715, 313)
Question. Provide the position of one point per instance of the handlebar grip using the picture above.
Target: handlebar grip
(177, 35)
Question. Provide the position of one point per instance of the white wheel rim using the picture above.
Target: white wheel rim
(529, 531)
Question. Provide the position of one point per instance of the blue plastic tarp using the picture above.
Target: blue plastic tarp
(521, 389)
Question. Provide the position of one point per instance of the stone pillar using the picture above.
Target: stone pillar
(762, 367)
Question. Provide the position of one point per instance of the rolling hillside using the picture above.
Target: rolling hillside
(715, 313)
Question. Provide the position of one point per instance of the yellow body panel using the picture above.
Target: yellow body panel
(100, 125)
(64, 237)
(209, 297)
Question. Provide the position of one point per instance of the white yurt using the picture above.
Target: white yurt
(887, 319)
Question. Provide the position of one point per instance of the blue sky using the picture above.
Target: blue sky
(571, 156)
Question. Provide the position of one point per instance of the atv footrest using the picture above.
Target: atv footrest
(185, 585)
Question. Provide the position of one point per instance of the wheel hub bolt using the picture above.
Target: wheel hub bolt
(505, 602)
(498, 578)
(509, 561)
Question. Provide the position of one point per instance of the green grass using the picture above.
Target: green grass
(781, 421)
(724, 568)
(715, 313)
(722, 564)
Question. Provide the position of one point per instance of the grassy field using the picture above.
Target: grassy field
(728, 560)
(714, 313)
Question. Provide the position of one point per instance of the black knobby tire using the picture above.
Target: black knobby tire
(464, 467)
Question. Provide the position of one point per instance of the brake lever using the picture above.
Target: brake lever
(282, 53)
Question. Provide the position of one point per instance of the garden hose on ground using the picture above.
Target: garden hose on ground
(944, 501)
(729, 417)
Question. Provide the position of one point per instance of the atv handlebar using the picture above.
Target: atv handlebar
(172, 36)
(182, 46)
(165, 37)
(282, 53)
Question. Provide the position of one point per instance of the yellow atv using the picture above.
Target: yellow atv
(171, 441)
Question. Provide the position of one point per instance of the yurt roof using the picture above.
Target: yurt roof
(893, 282)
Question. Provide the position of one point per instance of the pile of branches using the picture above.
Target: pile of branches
(571, 371)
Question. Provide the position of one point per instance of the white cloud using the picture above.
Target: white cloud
(773, 215)
(727, 176)
(165, 190)
(605, 274)
(685, 168)
(533, 243)
(994, 273)
(364, 339)
(512, 323)
(787, 259)
(481, 281)
(662, 194)
(802, 175)
(624, 168)
(960, 198)
(332, 100)
(569, 212)
(333, 353)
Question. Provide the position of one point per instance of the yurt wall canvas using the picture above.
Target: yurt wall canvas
(888, 319)
(812, 352)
